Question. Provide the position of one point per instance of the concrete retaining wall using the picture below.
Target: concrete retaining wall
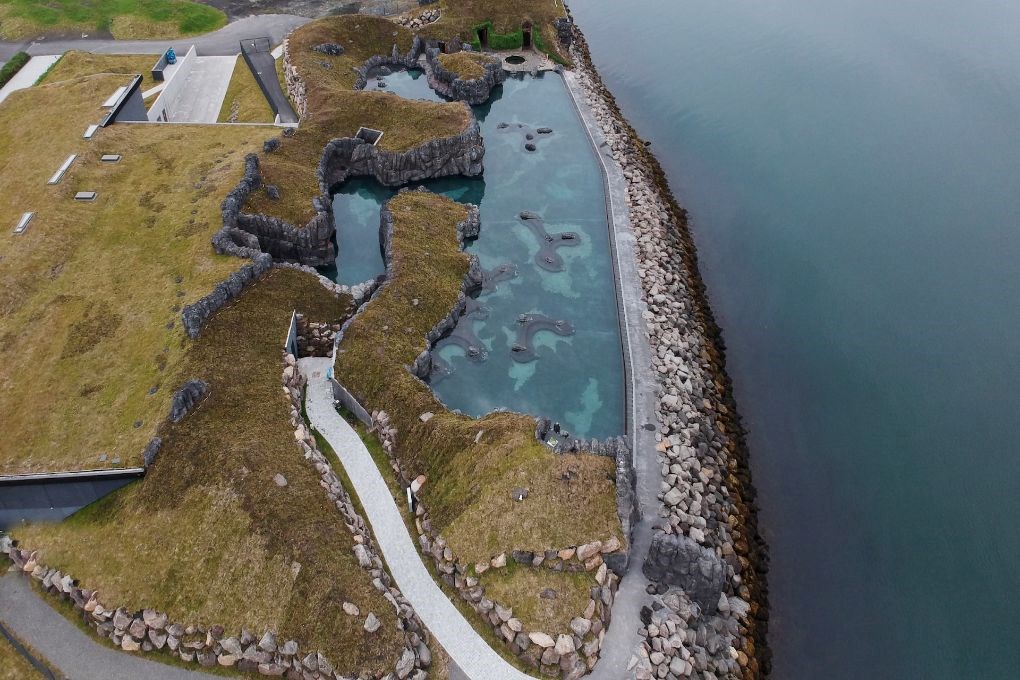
(162, 108)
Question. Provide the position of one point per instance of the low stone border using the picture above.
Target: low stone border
(429, 16)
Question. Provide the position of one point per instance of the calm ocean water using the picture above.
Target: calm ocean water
(852, 168)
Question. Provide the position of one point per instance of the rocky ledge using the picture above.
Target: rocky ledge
(706, 549)
(447, 83)
(342, 158)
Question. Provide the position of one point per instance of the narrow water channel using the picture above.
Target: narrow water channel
(544, 336)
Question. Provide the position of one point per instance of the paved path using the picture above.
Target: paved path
(28, 74)
(468, 650)
(224, 42)
(204, 88)
(66, 647)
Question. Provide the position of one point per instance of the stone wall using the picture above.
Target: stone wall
(449, 84)
(394, 59)
(416, 21)
(315, 338)
(310, 245)
(185, 399)
(151, 631)
(296, 90)
(195, 315)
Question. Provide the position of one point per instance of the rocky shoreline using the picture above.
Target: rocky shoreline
(707, 530)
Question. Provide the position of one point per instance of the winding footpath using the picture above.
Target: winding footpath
(469, 651)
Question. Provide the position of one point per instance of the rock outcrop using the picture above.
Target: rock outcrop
(449, 84)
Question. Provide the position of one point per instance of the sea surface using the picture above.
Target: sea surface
(852, 170)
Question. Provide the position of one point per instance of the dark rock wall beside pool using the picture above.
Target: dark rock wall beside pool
(449, 84)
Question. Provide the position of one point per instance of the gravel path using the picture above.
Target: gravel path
(224, 42)
(66, 647)
(468, 650)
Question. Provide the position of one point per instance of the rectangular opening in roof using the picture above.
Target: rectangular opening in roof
(110, 157)
(62, 169)
(22, 225)
(369, 135)
(85, 196)
(89, 131)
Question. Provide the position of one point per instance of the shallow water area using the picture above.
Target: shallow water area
(407, 83)
(544, 245)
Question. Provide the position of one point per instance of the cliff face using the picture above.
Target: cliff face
(346, 157)
(449, 84)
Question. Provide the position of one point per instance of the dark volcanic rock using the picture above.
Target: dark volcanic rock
(332, 49)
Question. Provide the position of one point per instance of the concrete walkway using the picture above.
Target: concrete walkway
(204, 88)
(28, 74)
(69, 650)
(468, 650)
(224, 42)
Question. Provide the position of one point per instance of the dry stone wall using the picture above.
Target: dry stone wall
(151, 631)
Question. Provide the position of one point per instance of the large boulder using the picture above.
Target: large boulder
(680, 561)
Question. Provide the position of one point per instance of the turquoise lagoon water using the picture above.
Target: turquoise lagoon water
(574, 379)
(852, 168)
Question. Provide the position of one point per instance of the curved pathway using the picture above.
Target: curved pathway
(67, 648)
(224, 42)
(465, 646)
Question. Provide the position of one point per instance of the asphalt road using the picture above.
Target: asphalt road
(224, 42)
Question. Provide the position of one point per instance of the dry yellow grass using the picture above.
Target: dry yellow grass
(77, 64)
(207, 536)
(127, 27)
(466, 65)
(13, 666)
(244, 101)
(90, 296)
(524, 587)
